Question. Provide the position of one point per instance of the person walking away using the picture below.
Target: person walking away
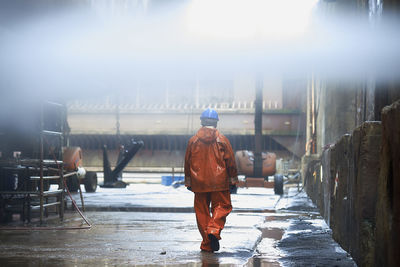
(210, 172)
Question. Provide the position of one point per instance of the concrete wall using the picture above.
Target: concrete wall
(343, 183)
(337, 116)
(337, 110)
(236, 123)
(356, 185)
(387, 233)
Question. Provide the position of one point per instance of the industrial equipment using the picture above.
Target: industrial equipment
(258, 166)
(31, 141)
(113, 178)
(32, 146)
(73, 163)
(245, 165)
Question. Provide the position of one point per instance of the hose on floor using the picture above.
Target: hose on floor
(35, 228)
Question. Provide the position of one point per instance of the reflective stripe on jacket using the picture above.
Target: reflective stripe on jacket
(209, 161)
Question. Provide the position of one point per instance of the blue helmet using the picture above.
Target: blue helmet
(209, 113)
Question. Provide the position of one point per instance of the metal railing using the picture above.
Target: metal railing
(245, 106)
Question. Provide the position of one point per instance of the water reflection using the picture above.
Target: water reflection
(209, 259)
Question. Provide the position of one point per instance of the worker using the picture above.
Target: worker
(210, 172)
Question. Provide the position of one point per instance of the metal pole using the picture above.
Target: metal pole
(117, 118)
(80, 193)
(308, 119)
(258, 128)
(61, 182)
(313, 122)
(41, 164)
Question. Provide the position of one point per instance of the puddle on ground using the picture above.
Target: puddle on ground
(274, 233)
(270, 236)
(280, 217)
(260, 262)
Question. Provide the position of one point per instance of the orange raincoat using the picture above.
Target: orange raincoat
(209, 162)
(210, 169)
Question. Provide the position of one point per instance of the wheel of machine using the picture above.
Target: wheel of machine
(90, 181)
(73, 183)
(278, 184)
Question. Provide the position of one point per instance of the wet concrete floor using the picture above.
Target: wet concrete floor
(153, 225)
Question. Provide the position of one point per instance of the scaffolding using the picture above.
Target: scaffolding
(26, 183)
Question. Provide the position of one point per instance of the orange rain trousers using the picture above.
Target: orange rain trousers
(211, 223)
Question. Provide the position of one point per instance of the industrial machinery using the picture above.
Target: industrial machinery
(33, 155)
(258, 166)
(245, 165)
(72, 158)
(113, 178)
(31, 141)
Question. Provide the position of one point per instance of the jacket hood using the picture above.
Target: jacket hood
(207, 135)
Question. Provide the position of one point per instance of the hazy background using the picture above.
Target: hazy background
(88, 48)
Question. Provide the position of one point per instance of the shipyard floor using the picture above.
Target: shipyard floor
(152, 224)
